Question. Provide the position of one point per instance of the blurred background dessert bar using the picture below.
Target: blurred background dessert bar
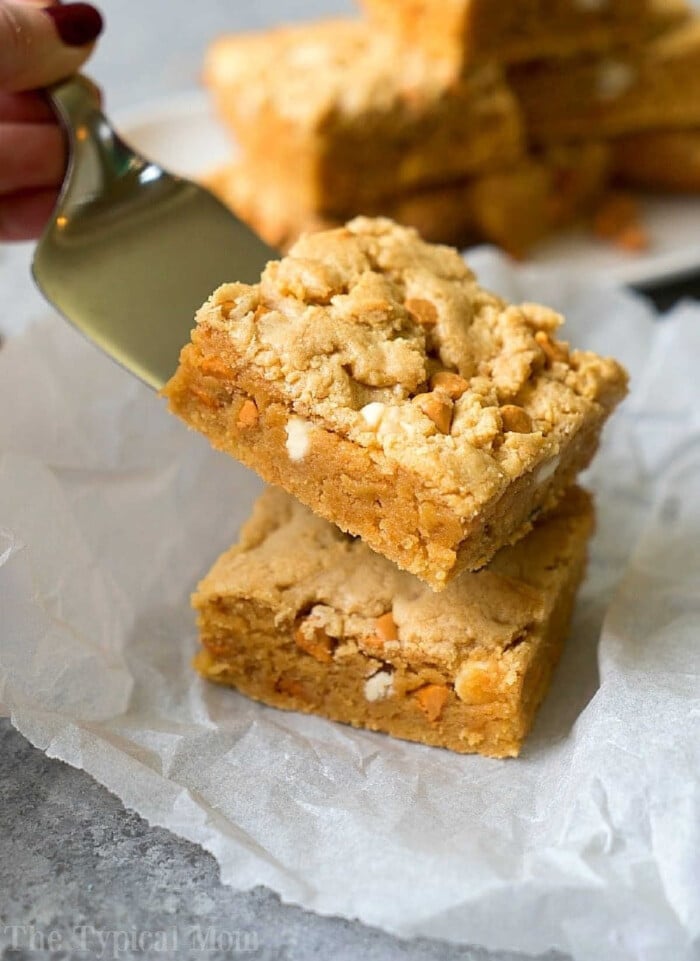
(653, 86)
(514, 207)
(512, 32)
(344, 115)
(470, 120)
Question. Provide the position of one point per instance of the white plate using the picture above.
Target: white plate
(183, 134)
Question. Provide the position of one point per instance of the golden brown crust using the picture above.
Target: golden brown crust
(337, 347)
(380, 117)
(302, 617)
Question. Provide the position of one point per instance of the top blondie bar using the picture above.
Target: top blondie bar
(343, 115)
(372, 377)
(512, 31)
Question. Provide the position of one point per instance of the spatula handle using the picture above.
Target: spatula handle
(97, 155)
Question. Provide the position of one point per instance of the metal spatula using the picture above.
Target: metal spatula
(132, 251)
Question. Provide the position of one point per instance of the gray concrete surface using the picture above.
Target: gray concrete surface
(80, 877)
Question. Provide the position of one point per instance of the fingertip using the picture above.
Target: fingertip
(42, 45)
(77, 24)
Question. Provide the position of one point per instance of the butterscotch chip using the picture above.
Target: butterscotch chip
(424, 311)
(516, 419)
(314, 640)
(227, 306)
(478, 680)
(452, 384)
(431, 700)
(384, 631)
(215, 367)
(248, 415)
(493, 637)
(438, 408)
(386, 627)
(435, 485)
(554, 350)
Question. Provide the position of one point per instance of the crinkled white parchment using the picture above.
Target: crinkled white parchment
(590, 842)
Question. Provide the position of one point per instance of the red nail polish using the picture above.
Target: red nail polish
(76, 23)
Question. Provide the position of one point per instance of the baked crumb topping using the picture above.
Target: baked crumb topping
(372, 333)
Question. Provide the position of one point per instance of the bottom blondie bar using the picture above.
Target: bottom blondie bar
(306, 618)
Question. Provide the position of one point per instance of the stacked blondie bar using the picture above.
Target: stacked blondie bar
(470, 120)
(414, 569)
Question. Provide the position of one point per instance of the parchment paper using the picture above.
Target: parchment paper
(590, 842)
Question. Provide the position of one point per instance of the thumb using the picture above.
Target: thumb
(42, 44)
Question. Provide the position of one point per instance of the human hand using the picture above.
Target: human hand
(39, 45)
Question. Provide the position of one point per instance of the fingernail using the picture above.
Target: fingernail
(76, 23)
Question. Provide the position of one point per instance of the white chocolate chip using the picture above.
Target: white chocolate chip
(373, 413)
(614, 78)
(547, 470)
(298, 438)
(379, 686)
(390, 423)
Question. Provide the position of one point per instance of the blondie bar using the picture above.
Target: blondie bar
(369, 375)
(652, 87)
(664, 160)
(513, 208)
(342, 116)
(303, 617)
(519, 30)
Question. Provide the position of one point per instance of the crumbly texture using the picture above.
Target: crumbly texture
(373, 378)
(342, 115)
(513, 208)
(302, 617)
(511, 31)
(655, 86)
(662, 160)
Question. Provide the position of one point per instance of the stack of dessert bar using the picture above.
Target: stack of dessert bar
(414, 569)
(470, 120)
